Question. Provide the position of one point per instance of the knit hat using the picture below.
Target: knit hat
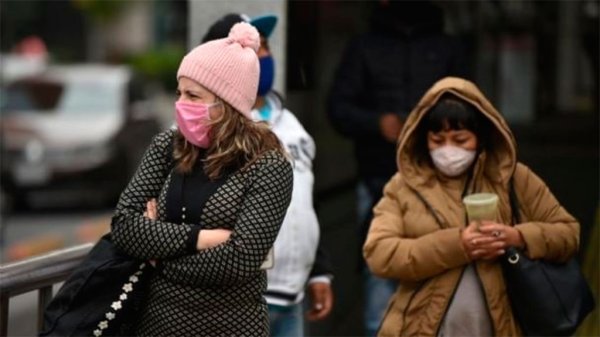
(227, 67)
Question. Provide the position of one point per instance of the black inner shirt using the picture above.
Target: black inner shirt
(188, 192)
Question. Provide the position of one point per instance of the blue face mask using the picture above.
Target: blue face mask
(267, 74)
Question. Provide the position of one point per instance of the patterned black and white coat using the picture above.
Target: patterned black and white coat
(211, 292)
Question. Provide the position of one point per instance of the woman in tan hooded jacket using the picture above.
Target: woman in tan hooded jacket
(451, 281)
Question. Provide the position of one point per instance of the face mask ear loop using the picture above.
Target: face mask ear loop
(212, 105)
(216, 103)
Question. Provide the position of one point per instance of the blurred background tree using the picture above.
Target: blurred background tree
(159, 64)
(100, 10)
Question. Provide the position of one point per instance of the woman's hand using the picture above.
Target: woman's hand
(152, 214)
(490, 240)
(208, 238)
(390, 125)
(151, 210)
(482, 245)
(507, 234)
(321, 300)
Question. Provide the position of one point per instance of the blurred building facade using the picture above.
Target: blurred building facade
(534, 59)
(93, 30)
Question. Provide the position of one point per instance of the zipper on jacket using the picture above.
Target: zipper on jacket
(438, 220)
(464, 192)
(437, 331)
(487, 305)
(412, 296)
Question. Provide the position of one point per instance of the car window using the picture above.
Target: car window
(91, 97)
(78, 97)
(30, 95)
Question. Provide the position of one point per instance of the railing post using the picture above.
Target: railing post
(44, 297)
(4, 315)
(37, 273)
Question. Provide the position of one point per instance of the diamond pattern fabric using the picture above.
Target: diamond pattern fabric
(216, 291)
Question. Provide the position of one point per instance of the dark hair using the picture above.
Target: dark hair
(220, 29)
(452, 113)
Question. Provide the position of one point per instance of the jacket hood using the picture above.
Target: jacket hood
(497, 165)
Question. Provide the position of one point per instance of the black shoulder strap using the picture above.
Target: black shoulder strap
(514, 202)
(171, 149)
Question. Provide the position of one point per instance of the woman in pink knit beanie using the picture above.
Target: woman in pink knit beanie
(207, 200)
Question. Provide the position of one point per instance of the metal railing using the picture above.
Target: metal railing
(37, 273)
(42, 272)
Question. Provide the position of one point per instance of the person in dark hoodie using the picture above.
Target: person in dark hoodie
(380, 78)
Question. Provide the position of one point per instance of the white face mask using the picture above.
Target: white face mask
(451, 160)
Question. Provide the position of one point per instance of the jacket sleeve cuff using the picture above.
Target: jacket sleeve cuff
(454, 254)
(534, 240)
(460, 252)
(192, 239)
(321, 279)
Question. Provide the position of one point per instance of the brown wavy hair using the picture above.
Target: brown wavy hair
(236, 142)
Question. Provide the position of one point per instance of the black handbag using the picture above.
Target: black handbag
(102, 297)
(547, 299)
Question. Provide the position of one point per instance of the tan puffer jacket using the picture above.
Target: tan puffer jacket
(415, 233)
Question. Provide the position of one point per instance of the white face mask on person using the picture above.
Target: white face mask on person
(451, 160)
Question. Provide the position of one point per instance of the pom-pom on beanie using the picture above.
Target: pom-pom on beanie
(227, 67)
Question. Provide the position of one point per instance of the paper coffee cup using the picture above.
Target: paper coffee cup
(481, 206)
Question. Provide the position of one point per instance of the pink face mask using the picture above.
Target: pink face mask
(193, 121)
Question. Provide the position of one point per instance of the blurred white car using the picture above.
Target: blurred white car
(76, 130)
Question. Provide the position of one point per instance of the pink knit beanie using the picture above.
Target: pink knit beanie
(227, 67)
